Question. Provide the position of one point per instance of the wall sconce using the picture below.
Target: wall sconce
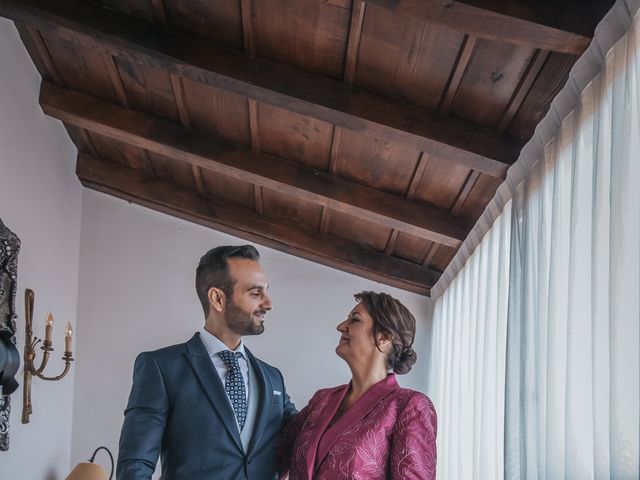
(30, 343)
(91, 471)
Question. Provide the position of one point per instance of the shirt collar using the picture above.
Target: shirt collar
(214, 345)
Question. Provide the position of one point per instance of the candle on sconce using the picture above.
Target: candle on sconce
(68, 332)
(48, 327)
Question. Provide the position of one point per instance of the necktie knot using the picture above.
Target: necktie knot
(230, 358)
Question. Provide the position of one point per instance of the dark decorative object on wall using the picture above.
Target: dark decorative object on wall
(9, 356)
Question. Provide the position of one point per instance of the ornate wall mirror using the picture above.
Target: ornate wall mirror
(9, 356)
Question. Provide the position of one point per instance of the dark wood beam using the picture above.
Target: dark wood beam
(299, 181)
(265, 81)
(464, 56)
(353, 44)
(332, 251)
(523, 88)
(488, 19)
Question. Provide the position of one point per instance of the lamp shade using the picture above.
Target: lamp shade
(87, 471)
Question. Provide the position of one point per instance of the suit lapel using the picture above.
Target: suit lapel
(265, 399)
(360, 409)
(324, 415)
(210, 382)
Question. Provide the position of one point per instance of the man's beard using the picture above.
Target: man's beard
(241, 322)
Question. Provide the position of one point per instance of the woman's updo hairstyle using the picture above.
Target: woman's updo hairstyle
(391, 316)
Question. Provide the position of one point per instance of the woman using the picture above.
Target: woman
(370, 428)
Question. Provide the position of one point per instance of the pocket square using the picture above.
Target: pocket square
(277, 392)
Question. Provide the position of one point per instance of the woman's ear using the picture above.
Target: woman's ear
(385, 338)
(217, 299)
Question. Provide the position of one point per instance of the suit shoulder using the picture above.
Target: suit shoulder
(164, 352)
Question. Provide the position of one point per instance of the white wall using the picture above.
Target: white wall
(40, 202)
(135, 272)
(137, 293)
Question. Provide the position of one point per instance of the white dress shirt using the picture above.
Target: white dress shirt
(214, 345)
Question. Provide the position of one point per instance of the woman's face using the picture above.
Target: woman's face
(356, 340)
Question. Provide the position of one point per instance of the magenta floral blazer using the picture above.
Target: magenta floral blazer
(388, 434)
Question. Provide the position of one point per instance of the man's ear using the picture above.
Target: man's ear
(217, 299)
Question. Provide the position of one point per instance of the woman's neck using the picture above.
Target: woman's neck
(363, 377)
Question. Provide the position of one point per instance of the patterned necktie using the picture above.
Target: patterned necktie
(234, 385)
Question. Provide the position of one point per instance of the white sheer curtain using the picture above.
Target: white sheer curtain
(573, 378)
(535, 364)
(466, 383)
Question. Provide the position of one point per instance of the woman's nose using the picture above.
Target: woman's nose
(342, 326)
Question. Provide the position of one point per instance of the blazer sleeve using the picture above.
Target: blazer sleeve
(413, 441)
(288, 437)
(288, 407)
(144, 422)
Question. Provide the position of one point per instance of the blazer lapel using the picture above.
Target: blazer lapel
(210, 382)
(265, 399)
(363, 406)
(324, 415)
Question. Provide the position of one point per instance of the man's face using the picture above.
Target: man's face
(249, 302)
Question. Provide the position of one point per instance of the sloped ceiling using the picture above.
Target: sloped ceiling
(364, 135)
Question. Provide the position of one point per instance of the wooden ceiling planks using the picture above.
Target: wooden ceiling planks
(279, 205)
(222, 186)
(328, 250)
(218, 20)
(307, 34)
(34, 43)
(167, 168)
(481, 192)
(142, 9)
(441, 182)
(146, 88)
(410, 247)
(383, 165)
(216, 112)
(391, 172)
(358, 230)
(295, 137)
(507, 22)
(489, 81)
(316, 96)
(80, 68)
(403, 57)
(167, 139)
(549, 81)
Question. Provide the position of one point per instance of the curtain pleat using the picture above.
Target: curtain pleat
(535, 363)
(467, 362)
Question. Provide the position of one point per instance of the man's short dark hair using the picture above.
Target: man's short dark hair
(213, 271)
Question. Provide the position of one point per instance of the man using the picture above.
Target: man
(208, 407)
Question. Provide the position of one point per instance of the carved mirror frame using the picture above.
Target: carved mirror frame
(9, 248)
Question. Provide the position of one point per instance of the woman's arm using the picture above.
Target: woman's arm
(288, 437)
(413, 441)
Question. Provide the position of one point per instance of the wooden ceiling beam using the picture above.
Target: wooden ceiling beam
(286, 87)
(299, 181)
(488, 19)
(132, 185)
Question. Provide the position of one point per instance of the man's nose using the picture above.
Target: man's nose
(266, 302)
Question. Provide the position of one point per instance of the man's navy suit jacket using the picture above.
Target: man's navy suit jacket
(178, 409)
